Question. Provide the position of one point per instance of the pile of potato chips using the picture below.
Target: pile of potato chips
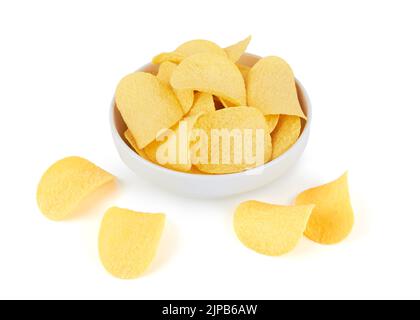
(205, 112)
(201, 89)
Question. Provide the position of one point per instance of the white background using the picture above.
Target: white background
(360, 62)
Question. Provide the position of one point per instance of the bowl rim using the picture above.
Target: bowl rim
(249, 172)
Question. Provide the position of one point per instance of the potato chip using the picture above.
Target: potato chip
(66, 184)
(226, 104)
(244, 70)
(173, 149)
(285, 134)
(128, 241)
(185, 97)
(271, 229)
(165, 71)
(271, 88)
(211, 73)
(200, 46)
(168, 57)
(333, 218)
(234, 140)
(248, 60)
(272, 121)
(187, 49)
(203, 104)
(147, 106)
(132, 142)
(236, 51)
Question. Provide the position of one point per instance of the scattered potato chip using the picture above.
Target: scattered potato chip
(285, 134)
(203, 104)
(235, 139)
(272, 121)
(185, 97)
(130, 139)
(270, 229)
(271, 88)
(147, 106)
(235, 51)
(211, 73)
(244, 70)
(173, 149)
(66, 184)
(128, 241)
(333, 218)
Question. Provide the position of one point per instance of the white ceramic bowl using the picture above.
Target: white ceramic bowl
(211, 186)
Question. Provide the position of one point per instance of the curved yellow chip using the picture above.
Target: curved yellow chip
(130, 139)
(185, 97)
(147, 106)
(271, 88)
(285, 134)
(165, 71)
(244, 70)
(270, 229)
(128, 241)
(65, 185)
(211, 73)
(226, 104)
(173, 151)
(236, 51)
(233, 140)
(200, 46)
(333, 217)
(187, 49)
(272, 121)
(203, 104)
(168, 57)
